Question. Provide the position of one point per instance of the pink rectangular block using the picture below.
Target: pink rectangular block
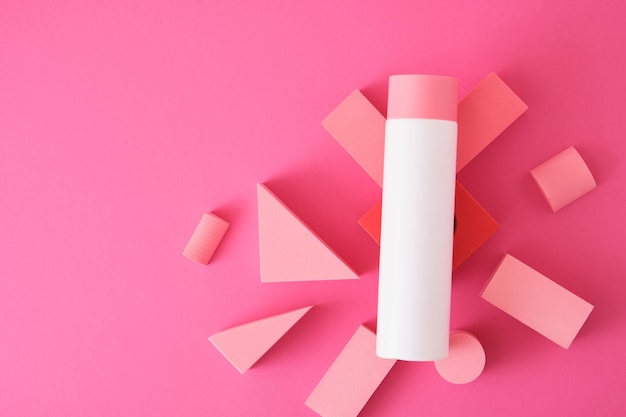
(352, 378)
(206, 238)
(483, 114)
(360, 129)
(535, 300)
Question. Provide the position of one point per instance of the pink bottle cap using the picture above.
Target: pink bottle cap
(414, 96)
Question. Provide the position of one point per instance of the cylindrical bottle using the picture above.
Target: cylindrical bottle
(417, 218)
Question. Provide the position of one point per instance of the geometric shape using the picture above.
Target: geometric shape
(535, 300)
(352, 378)
(360, 129)
(371, 221)
(244, 345)
(474, 225)
(483, 114)
(290, 250)
(205, 238)
(465, 361)
(563, 178)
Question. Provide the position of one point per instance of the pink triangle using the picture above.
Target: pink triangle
(290, 250)
(245, 344)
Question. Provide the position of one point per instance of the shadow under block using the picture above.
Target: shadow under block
(352, 379)
(483, 115)
(206, 238)
(465, 361)
(244, 345)
(535, 300)
(474, 225)
(563, 178)
(289, 249)
(360, 129)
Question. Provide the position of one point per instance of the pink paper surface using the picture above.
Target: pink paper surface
(120, 122)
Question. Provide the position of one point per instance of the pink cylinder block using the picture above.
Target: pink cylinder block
(206, 238)
(465, 361)
(563, 178)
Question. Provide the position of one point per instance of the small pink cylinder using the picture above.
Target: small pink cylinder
(206, 238)
(465, 361)
(563, 178)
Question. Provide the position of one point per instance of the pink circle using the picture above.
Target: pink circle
(465, 361)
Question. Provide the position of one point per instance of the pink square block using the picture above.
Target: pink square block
(206, 238)
(352, 378)
(360, 129)
(563, 178)
(535, 300)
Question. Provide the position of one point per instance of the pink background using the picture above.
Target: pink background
(122, 122)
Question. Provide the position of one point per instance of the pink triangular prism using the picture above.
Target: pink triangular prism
(245, 344)
(290, 250)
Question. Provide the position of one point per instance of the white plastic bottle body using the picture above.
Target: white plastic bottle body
(417, 232)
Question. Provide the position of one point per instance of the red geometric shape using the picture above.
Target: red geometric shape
(206, 238)
(474, 225)
(352, 379)
(244, 345)
(537, 301)
(290, 250)
(563, 178)
(360, 129)
(371, 221)
(483, 114)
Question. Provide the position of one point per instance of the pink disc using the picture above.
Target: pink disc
(465, 361)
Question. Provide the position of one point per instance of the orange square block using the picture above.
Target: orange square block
(535, 300)
(473, 227)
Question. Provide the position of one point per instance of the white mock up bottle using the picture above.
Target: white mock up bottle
(417, 218)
